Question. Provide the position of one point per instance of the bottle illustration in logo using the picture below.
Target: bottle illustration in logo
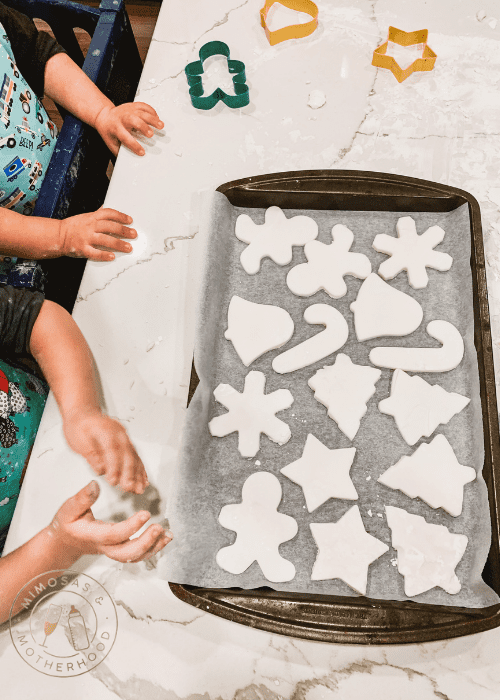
(51, 620)
(77, 629)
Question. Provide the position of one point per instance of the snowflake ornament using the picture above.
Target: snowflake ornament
(251, 413)
(412, 252)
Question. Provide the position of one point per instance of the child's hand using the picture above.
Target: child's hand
(105, 445)
(115, 124)
(79, 234)
(75, 527)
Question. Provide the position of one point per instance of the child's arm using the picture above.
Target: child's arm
(36, 238)
(73, 533)
(60, 349)
(68, 85)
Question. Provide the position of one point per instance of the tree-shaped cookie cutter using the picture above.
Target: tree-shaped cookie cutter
(194, 71)
(398, 36)
(294, 31)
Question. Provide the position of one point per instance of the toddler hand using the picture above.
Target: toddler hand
(114, 124)
(80, 234)
(75, 527)
(105, 445)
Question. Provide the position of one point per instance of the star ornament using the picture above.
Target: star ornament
(345, 550)
(322, 473)
(398, 36)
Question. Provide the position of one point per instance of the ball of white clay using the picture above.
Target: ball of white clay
(316, 99)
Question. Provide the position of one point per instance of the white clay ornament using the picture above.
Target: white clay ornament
(441, 359)
(260, 530)
(327, 266)
(320, 345)
(427, 554)
(345, 550)
(412, 252)
(433, 474)
(251, 413)
(345, 388)
(274, 239)
(381, 310)
(419, 407)
(322, 473)
(254, 329)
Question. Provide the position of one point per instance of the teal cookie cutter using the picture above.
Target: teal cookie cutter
(194, 71)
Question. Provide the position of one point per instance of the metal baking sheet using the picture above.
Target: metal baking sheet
(466, 439)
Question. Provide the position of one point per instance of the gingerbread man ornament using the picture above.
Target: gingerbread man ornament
(260, 529)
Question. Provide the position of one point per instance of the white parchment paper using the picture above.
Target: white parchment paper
(211, 472)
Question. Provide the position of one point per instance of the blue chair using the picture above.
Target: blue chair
(76, 180)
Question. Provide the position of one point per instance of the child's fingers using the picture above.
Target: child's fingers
(143, 106)
(160, 544)
(133, 549)
(94, 456)
(112, 534)
(109, 226)
(130, 142)
(74, 507)
(113, 468)
(108, 241)
(114, 215)
(141, 121)
(131, 472)
(97, 255)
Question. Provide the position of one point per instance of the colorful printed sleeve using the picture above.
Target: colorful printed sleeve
(19, 309)
(32, 49)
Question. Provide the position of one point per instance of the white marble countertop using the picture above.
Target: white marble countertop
(137, 314)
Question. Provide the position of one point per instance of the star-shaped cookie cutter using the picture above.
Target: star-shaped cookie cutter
(398, 36)
(294, 31)
(194, 72)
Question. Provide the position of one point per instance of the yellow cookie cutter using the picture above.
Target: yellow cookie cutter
(294, 31)
(398, 36)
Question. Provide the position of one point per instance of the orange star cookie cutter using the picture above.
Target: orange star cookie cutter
(398, 36)
(294, 31)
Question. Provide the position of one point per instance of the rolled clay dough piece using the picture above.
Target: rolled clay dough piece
(327, 265)
(425, 359)
(274, 239)
(319, 346)
(412, 252)
(381, 310)
(259, 528)
(433, 474)
(322, 473)
(345, 550)
(345, 389)
(419, 407)
(254, 329)
(251, 413)
(427, 554)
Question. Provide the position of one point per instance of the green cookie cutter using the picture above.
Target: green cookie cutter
(194, 72)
